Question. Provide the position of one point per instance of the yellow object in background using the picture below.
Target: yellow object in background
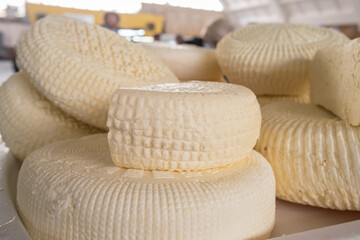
(151, 23)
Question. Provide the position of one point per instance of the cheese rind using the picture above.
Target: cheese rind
(267, 99)
(335, 80)
(29, 121)
(188, 62)
(273, 59)
(185, 126)
(314, 154)
(72, 190)
(78, 65)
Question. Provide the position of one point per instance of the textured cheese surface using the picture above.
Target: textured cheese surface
(182, 126)
(71, 190)
(273, 59)
(78, 65)
(29, 121)
(314, 154)
(266, 99)
(335, 81)
(188, 62)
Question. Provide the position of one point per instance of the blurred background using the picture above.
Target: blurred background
(175, 21)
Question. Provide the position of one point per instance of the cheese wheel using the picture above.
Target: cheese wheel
(78, 65)
(266, 99)
(315, 155)
(335, 81)
(72, 190)
(187, 62)
(182, 126)
(29, 121)
(273, 59)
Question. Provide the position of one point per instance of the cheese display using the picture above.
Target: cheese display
(266, 99)
(188, 62)
(78, 65)
(273, 59)
(29, 121)
(72, 190)
(182, 126)
(335, 82)
(314, 154)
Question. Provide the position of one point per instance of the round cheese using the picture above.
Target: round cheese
(78, 65)
(273, 59)
(266, 99)
(182, 126)
(72, 190)
(29, 121)
(188, 62)
(314, 154)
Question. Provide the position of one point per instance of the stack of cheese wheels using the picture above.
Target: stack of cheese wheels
(78, 65)
(335, 81)
(314, 154)
(80, 189)
(188, 62)
(274, 59)
(29, 121)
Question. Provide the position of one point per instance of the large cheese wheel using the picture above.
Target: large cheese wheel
(335, 81)
(182, 126)
(78, 65)
(72, 190)
(273, 59)
(29, 121)
(266, 99)
(315, 155)
(188, 62)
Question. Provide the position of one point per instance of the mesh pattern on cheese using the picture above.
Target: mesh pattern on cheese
(273, 59)
(78, 65)
(335, 82)
(188, 62)
(315, 155)
(187, 126)
(266, 99)
(72, 190)
(29, 121)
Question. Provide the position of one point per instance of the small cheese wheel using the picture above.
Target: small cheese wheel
(29, 121)
(266, 99)
(314, 154)
(188, 62)
(72, 190)
(273, 59)
(182, 126)
(335, 81)
(78, 65)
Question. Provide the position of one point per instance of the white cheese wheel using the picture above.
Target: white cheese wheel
(266, 99)
(72, 190)
(188, 62)
(182, 126)
(78, 65)
(314, 154)
(335, 80)
(29, 121)
(273, 59)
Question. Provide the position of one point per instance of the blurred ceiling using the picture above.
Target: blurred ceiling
(317, 12)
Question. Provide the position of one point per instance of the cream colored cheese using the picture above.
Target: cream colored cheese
(314, 154)
(335, 80)
(273, 59)
(29, 121)
(188, 62)
(182, 126)
(72, 190)
(77, 65)
(266, 99)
